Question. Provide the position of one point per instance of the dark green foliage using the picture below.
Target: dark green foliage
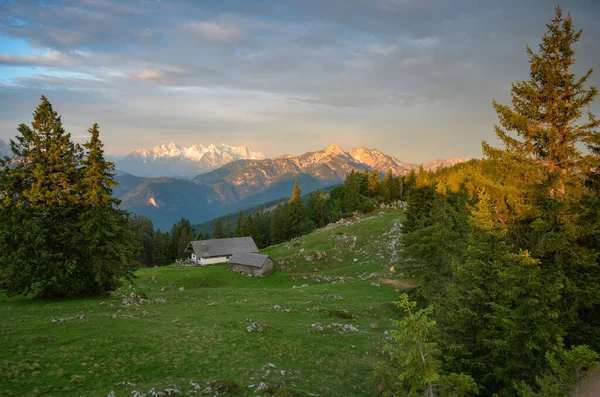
(318, 209)
(352, 196)
(239, 229)
(295, 212)
(279, 224)
(218, 230)
(143, 236)
(434, 236)
(227, 228)
(566, 369)
(390, 188)
(249, 227)
(418, 359)
(181, 235)
(61, 232)
(374, 184)
(160, 249)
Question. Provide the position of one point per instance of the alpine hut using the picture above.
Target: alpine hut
(252, 264)
(209, 252)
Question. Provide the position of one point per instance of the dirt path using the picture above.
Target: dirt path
(591, 387)
(401, 284)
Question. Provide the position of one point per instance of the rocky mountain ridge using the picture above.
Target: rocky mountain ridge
(326, 167)
(246, 183)
(4, 148)
(172, 160)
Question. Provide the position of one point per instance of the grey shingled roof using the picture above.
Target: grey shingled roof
(248, 259)
(222, 246)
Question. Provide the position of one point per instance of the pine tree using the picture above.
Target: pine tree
(98, 175)
(352, 197)
(160, 253)
(227, 228)
(218, 229)
(106, 237)
(47, 169)
(249, 227)
(388, 187)
(532, 253)
(419, 360)
(295, 212)
(239, 229)
(364, 183)
(38, 192)
(541, 192)
(78, 242)
(262, 229)
(279, 224)
(317, 208)
(374, 184)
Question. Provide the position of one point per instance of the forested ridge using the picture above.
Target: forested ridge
(275, 222)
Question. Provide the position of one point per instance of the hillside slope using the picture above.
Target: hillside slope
(296, 332)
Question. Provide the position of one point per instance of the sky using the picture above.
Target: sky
(413, 78)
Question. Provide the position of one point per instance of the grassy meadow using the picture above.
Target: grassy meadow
(315, 327)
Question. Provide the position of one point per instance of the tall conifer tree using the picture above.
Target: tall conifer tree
(295, 212)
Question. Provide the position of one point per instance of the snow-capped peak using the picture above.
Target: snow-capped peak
(173, 160)
(334, 149)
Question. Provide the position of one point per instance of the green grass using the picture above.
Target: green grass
(200, 333)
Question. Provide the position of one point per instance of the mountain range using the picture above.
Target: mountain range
(200, 183)
(4, 148)
(246, 183)
(177, 161)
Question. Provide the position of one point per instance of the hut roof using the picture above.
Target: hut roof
(248, 259)
(222, 246)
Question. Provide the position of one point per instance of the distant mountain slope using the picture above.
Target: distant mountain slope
(377, 160)
(166, 200)
(246, 183)
(173, 160)
(4, 148)
(241, 179)
(443, 163)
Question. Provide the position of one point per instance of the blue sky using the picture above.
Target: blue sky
(413, 78)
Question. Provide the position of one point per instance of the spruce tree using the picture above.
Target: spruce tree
(541, 193)
(374, 184)
(530, 275)
(106, 238)
(218, 229)
(97, 174)
(295, 212)
(279, 224)
(160, 252)
(77, 242)
(239, 229)
(388, 187)
(249, 227)
(227, 228)
(352, 198)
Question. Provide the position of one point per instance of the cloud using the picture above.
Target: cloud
(53, 58)
(391, 73)
(382, 49)
(216, 31)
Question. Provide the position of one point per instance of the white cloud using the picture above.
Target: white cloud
(216, 31)
(382, 49)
